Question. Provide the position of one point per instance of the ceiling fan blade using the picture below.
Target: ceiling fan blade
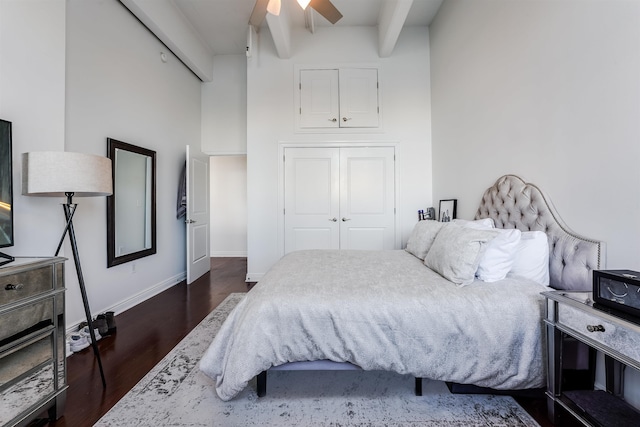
(326, 9)
(258, 14)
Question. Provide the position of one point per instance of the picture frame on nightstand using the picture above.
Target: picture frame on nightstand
(447, 211)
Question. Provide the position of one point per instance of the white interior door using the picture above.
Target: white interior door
(311, 198)
(367, 198)
(197, 219)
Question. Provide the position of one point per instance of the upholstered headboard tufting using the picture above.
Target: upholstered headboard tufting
(513, 203)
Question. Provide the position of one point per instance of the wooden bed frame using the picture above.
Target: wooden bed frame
(511, 203)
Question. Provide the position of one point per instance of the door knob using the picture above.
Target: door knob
(345, 219)
(333, 219)
(344, 119)
(333, 120)
(189, 221)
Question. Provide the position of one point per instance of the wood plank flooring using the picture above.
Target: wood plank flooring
(148, 331)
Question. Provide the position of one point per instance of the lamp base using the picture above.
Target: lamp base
(69, 210)
(7, 258)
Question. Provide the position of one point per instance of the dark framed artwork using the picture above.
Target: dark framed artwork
(447, 210)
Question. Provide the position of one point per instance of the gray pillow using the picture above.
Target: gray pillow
(422, 237)
(456, 252)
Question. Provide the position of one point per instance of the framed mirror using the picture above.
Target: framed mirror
(131, 210)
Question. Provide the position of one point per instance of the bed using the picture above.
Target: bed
(430, 310)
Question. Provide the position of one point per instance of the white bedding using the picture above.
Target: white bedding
(381, 310)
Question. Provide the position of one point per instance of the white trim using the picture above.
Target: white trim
(396, 194)
(229, 254)
(138, 298)
(224, 153)
(253, 277)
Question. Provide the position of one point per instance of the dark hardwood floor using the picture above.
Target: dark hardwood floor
(148, 331)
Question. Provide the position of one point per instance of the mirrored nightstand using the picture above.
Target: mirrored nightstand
(572, 315)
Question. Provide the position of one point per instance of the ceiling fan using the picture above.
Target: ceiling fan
(323, 7)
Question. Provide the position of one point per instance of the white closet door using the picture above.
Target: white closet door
(312, 200)
(367, 198)
(319, 99)
(339, 198)
(359, 98)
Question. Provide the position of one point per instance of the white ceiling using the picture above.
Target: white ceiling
(222, 24)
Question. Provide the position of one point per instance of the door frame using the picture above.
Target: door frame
(282, 145)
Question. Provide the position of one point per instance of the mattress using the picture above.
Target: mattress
(382, 310)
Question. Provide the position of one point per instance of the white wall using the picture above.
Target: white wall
(73, 73)
(224, 107)
(404, 81)
(32, 97)
(224, 137)
(228, 224)
(118, 87)
(549, 91)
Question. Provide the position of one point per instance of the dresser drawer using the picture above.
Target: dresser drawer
(29, 356)
(32, 334)
(615, 336)
(25, 320)
(27, 393)
(25, 284)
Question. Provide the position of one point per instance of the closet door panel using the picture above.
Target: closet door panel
(319, 99)
(367, 198)
(359, 98)
(311, 198)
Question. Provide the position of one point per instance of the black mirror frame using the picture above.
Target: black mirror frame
(112, 259)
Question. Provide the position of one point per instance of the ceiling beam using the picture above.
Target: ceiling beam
(391, 20)
(258, 13)
(166, 22)
(280, 28)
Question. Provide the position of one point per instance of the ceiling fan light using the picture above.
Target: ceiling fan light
(304, 3)
(273, 7)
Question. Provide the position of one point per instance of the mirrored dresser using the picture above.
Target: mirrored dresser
(32, 340)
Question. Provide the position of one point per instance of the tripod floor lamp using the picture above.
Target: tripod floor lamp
(65, 174)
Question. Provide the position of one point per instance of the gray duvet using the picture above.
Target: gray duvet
(381, 310)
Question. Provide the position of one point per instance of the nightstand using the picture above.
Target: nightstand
(571, 315)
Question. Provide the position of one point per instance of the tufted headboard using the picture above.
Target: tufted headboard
(513, 203)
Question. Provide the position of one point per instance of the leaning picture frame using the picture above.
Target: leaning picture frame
(447, 210)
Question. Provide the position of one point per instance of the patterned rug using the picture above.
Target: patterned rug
(176, 393)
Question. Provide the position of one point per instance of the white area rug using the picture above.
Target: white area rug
(176, 393)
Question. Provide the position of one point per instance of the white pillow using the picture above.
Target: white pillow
(422, 237)
(532, 257)
(456, 252)
(478, 224)
(499, 256)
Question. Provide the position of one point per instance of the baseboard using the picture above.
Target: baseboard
(253, 277)
(228, 254)
(138, 298)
